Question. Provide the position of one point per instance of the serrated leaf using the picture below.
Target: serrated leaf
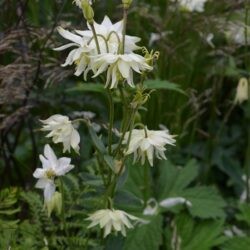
(198, 235)
(206, 202)
(173, 180)
(145, 237)
(163, 84)
(237, 243)
(245, 213)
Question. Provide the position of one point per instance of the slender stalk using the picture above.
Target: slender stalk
(95, 37)
(63, 205)
(247, 158)
(111, 121)
(125, 16)
(126, 127)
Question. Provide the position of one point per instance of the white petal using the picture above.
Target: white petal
(39, 173)
(49, 190)
(50, 155)
(70, 36)
(41, 183)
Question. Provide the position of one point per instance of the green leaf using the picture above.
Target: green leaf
(174, 179)
(145, 237)
(109, 162)
(160, 84)
(206, 202)
(88, 87)
(237, 243)
(96, 140)
(198, 235)
(245, 213)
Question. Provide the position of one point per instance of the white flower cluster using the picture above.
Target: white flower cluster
(86, 57)
(102, 48)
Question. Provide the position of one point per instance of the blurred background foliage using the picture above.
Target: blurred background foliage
(200, 59)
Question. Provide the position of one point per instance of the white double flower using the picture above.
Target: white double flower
(146, 143)
(62, 131)
(111, 219)
(85, 56)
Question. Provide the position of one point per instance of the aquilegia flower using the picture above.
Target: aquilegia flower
(109, 219)
(62, 131)
(119, 67)
(109, 37)
(51, 168)
(145, 143)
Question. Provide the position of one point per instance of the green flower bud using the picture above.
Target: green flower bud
(126, 3)
(88, 11)
(55, 204)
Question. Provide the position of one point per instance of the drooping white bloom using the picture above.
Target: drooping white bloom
(109, 219)
(192, 5)
(241, 91)
(51, 167)
(62, 131)
(80, 55)
(119, 67)
(147, 143)
(171, 202)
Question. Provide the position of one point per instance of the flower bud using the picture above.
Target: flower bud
(126, 3)
(55, 204)
(119, 167)
(88, 11)
(242, 91)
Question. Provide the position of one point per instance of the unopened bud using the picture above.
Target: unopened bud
(242, 91)
(119, 167)
(55, 204)
(126, 3)
(88, 11)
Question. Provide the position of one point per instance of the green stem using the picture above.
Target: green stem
(125, 16)
(126, 127)
(111, 121)
(95, 37)
(63, 206)
(247, 163)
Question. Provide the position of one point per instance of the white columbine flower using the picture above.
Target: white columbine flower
(119, 67)
(145, 143)
(192, 5)
(80, 55)
(62, 131)
(241, 91)
(109, 219)
(51, 167)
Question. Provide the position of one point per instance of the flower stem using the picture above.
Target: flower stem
(95, 37)
(125, 15)
(63, 205)
(111, 121)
